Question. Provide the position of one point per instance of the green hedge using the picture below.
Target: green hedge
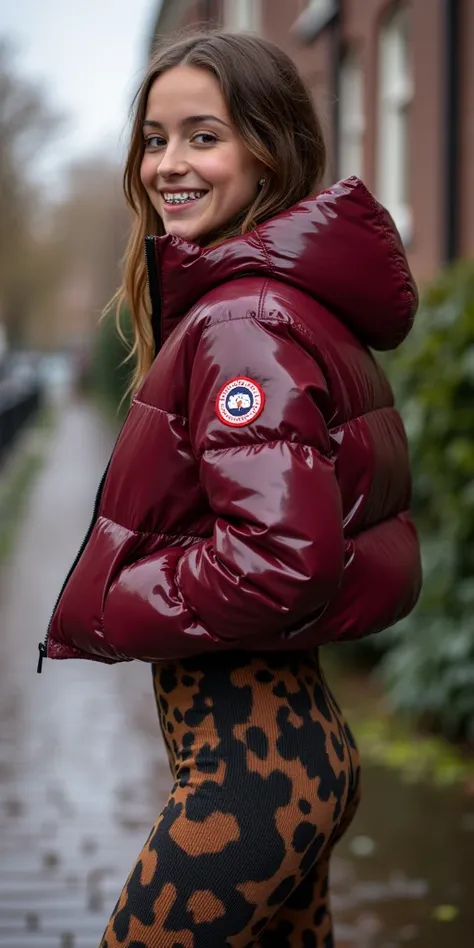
(109, 374)
(429, 662)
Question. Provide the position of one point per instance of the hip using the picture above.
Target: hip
(243, 723)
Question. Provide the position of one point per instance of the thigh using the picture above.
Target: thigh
(203, 877)
(304, 921)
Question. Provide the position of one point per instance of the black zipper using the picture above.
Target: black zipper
(43, 646)
(154, 290)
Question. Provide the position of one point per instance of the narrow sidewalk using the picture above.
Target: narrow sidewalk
(82, 769)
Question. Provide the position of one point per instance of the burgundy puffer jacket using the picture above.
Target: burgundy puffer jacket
(258, 494)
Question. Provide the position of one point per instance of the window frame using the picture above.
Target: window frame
(249, 18)
(395, 95)
(351, 116)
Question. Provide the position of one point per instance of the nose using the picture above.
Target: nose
(171, 162)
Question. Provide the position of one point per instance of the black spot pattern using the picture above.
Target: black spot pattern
(303, 836)
(319, 914)
(281, 893)
(167, 678)
(259, 926)
(321, 703)
(303, 896)
(312, 853)
(232, 834)
(257, 741)
(279, 937)
(338, 746)
(207, 761)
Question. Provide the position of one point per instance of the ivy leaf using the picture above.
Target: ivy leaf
(445, 913)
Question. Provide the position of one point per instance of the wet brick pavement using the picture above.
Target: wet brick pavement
(82, 769)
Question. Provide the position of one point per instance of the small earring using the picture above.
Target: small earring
(261, 182)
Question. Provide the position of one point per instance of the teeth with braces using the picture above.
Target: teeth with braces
(182, 197)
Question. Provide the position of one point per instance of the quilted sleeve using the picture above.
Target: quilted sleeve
(257, 403)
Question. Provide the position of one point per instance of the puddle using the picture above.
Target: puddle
(403, 875)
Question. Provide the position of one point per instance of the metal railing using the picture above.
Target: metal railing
(17, 406)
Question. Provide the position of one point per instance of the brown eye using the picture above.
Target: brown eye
(155, 141)
(207, 138)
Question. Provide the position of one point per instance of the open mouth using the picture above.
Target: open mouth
(181, 198)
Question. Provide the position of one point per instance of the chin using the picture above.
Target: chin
(185, 233)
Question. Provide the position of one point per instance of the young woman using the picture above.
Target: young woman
(256, 503)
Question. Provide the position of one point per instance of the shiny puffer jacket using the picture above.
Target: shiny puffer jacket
(258, 493)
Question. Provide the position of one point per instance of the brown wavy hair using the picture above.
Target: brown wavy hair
(274, 115)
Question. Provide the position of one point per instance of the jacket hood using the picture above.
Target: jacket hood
(341, 247)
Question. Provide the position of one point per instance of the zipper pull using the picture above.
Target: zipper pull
(42, 655)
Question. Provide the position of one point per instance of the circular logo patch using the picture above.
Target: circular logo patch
(240, 402)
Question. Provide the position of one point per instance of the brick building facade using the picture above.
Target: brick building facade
(393, 81)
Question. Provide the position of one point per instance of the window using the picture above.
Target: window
(316, 16)
(395, 95)
(323, 9)
(351, 117)
(242, 15)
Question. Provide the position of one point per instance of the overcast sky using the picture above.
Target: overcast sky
(88, 56)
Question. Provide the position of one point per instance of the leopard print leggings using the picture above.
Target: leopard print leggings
(266, 781)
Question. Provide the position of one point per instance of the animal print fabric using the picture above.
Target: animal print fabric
(266, 779)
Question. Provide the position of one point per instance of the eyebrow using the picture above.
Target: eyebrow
(191, 120)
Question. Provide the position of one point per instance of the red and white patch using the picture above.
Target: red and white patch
(240, 402)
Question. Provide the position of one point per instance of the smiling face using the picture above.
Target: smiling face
(196, 170)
